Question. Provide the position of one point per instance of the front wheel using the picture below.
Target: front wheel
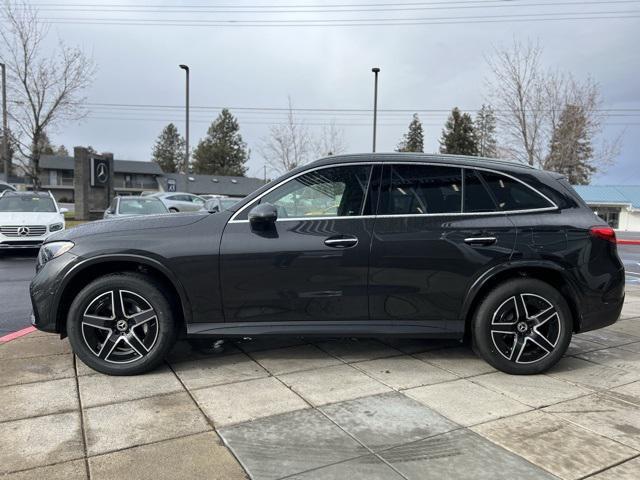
(121, 324)
(522, 327)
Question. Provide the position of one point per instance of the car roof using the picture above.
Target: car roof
(462, 160)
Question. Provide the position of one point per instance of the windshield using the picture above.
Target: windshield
(27, 203)
(141, 206)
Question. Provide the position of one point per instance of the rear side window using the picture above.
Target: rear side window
(476, 196)
(421, 189)
(513, 195)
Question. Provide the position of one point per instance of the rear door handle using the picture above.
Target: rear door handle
(480, 240)
(341, 241)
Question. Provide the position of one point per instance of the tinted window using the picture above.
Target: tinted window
(476, 195)
(513, 195)
(327, 192)
(421, 189)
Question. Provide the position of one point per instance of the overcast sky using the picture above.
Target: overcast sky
(426, 66)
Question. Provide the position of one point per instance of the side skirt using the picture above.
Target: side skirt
(342, 328)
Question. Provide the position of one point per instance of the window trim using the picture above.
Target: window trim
(553, 206)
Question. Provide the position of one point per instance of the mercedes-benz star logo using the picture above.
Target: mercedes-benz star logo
(23, 231)
(101, 172)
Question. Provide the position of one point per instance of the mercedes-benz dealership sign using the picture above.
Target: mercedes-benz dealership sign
(99, 172)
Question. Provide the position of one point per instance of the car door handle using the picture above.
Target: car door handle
(341, 241)
(480, 240)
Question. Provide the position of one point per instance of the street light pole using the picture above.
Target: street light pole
(375, 71)
(186, 153)
(5, 124)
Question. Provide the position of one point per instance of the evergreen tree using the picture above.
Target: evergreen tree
(413, 140)
(485, 128)
(222, 151)
(571, 152)
(62, 151)
(168, 152)
(458, 136)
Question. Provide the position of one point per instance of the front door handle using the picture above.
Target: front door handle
(341, 241)
(480, 240)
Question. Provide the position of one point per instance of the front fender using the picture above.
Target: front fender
(134, 258)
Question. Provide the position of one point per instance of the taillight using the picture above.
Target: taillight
(605, 233)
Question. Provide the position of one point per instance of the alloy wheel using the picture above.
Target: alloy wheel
(119, 326)
(525, 328)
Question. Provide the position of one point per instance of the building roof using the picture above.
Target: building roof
(57, 162)
(212, 184)
(610, 194)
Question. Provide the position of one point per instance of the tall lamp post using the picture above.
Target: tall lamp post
(186, 153)
(5, 125)
(375, 71)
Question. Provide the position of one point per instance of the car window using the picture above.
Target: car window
(27, 203)
(421, 189)
(196, 200)
(511, 194)
(112, 206)
(141, 206)
(326, 192)
(476, 196)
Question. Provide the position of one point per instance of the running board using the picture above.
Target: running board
(327, 328)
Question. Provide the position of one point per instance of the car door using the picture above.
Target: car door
(437, 229)
(309, 265)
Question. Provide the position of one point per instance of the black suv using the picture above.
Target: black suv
(356, 245)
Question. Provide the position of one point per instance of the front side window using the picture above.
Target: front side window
(510, 194)
(421, 189)
(327, 192)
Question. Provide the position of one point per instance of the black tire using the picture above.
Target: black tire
(142, 344)
(173, 210)
(522, 343)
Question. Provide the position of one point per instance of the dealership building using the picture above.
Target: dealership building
(132, 177)
(618, 205)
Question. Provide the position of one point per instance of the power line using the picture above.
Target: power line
(389, 8)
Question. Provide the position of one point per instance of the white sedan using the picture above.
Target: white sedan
(28, 218)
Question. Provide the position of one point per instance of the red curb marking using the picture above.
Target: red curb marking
(621, 241)
(18, 334)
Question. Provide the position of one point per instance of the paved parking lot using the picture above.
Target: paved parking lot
(333, 409)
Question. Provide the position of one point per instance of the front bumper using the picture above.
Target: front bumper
(45, 289)
(16, 244)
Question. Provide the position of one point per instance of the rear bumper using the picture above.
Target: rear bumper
(601, 307)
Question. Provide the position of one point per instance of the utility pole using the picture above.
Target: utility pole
(375, 71)
(185, 169)
(5, 125)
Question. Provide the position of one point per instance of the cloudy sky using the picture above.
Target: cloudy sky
(253, 54)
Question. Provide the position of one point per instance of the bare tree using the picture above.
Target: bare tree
(289, 144)
(517, 91)
(538, 110)
(331, 141)
(46, 87)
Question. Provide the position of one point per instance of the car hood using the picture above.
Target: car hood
(30, 218)
(116, 225)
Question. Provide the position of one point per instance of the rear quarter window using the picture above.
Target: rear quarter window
(510, 194)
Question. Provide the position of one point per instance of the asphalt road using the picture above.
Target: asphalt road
(17, 269)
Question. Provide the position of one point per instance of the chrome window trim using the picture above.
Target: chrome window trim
(450, 214)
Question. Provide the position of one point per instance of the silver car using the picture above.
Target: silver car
(219, 204)
(127, 206)
(179, 201)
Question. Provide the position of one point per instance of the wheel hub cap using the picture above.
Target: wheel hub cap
(525, 328)
(119, 326)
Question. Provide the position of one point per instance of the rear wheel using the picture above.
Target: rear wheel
(121, 324)
(522, 327)
(173, 210)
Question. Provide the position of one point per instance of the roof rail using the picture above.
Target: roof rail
(498, 161)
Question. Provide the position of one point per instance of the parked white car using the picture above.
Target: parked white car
(180, 201)
(28, 218)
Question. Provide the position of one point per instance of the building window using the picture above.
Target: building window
(611, 215)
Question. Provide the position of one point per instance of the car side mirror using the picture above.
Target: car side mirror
(64, 210)
(263, 214)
